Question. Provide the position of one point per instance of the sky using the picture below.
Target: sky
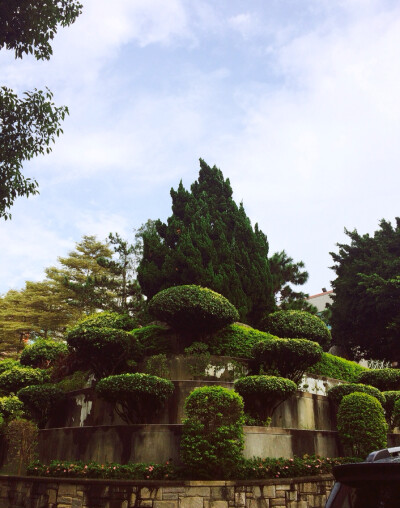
(298, 104)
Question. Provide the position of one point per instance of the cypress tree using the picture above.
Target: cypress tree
(209, 241)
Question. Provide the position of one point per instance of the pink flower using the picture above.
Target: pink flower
(151, 468)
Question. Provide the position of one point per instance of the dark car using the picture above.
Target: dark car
(374, 483)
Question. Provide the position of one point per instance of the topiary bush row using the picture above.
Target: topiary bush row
(137, 398)
(336, 393)
(383, 379)
(289, 358)
(193, 309)
(297, 324)
(43, 353)
(18, 377)
(41, 400)
(262, 395)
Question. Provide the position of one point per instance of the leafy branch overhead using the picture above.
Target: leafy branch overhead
(29, 125)
(28, 26)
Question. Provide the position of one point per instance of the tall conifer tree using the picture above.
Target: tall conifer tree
(209, 240)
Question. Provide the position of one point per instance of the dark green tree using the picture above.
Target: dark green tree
(28, 126)
(209, 241)
(366, 301)
(284, 271)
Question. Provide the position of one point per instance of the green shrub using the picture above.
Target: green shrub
(157, 365)
(16, 378)
(193, 309)
(43, 353)
(297, 324)
(212, 437)
(109, 320)
(288, 358)
(361, 424)
(336, 393)
(154, 339)
(390, 399)
(105, 350)
(11, 407)
(337, 368)
(396, 414)
(41, 400)
(383, 379)
(75, 381)
(263, 394)
(137, 398)
(236, 340)
(8, 364)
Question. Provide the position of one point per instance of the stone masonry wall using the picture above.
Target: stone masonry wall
(28, 492)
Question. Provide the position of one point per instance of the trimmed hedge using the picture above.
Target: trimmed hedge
(41, 401)
(288, 358)
(193, 309)
(109, 320)
(336, 393)
(104, 350)
(383, 379)
(262, 395)
(391, 397)
(43, 353)
(297, 324)
(18, 377)
(137, 398)
(236, 340)
(337, 368)
(154, 339)
(212, 437)
(361, 424)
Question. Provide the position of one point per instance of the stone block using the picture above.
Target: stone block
(77, 502)
(165, 504)
(310, 488)
(178, 490)
(291, 495)
(169, 496)
(191, 502)
(64, 500)
(256, 492)
(198, 491)
(240, 498)
(52, 493)
(277, 503)
(146, 503)
(66, 489)
(269, 491)
(132, 499)
(219, 504)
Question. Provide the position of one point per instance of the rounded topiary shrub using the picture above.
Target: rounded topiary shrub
(383, 379)
(41, 401)
(104, 350)
(262, 395)
(43, 353)
(297, 324)
(193, 309)
(109, 320)
(212, 437)
(11, 407)
(391, 397)
(237, 340)
(137, 398)
(18, 377)
(396, 414)
(288, 358)
(336, 393)
(361, 424)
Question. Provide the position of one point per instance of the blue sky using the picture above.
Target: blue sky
(297, 103)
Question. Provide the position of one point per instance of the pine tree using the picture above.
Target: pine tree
(209, 241)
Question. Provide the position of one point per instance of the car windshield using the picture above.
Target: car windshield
(369, 494)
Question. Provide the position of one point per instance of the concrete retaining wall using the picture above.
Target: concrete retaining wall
(24, 492)
(159, 443)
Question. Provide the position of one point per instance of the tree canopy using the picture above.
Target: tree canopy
(29, 125)
(284, 271)
(209, 241)
(366, 301)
